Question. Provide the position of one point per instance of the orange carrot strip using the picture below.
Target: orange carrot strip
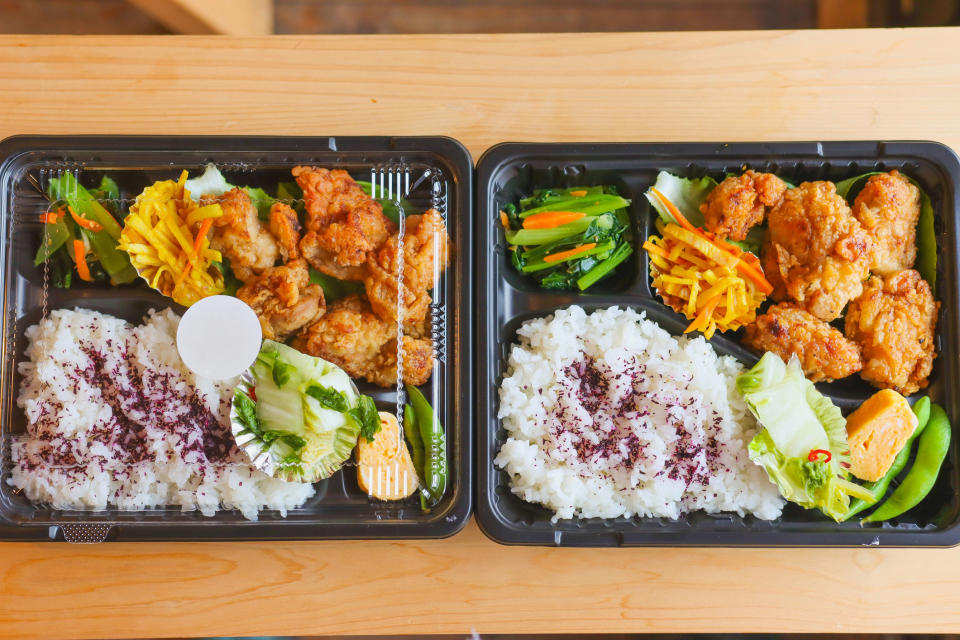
(683, 222)
(80, 255)
(579, 193)
(723, 244)
(762, 284)
(551, 219)
(703, 318)
(50, 217)
(186, 270)
(504, 220)
(750, 265)
(569, 253)
(91, 225)
(201, 234)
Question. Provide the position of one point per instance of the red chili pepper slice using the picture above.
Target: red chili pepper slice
(815, 455)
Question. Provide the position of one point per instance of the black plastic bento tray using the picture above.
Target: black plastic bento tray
(339, 510)
(505, 299)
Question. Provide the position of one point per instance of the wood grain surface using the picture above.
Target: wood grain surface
(481, 90)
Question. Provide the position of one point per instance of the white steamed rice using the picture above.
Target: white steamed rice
(608, 415)
(116, 419)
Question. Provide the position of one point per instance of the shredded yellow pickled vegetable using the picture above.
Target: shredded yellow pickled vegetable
(696, 279)
(168, 244)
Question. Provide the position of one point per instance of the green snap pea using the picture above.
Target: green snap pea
(412, 432)
(878, 489)
(931, 451)
(434, 446)
(55, 235)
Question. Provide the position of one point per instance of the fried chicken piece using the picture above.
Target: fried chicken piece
(351, 336)
(815, 253)
(239, 235)
(894, 323)
(283, 299)
(426, 253)
(787, 330)
(739, 203)
(344, 224)
(888, 208)
(285, 227)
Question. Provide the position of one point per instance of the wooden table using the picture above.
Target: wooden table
(481, 90)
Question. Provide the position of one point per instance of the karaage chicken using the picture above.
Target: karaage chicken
(344, 224)
(888, 208)
(787, 330)
(351, 336)
(894, 321)
(426, 253)
(815, 253)
(283, 297)
(285, 227)
(739, 203)
(239, 235)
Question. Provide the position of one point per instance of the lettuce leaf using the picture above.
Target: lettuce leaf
(307, 413)
(797, 420)
(687, 194)
(778, 395)
(212, 182)
(849, 188)
(391, 208)
(334, 289)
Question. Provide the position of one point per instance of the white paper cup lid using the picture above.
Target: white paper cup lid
(219, 337)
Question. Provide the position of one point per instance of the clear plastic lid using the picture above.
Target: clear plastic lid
(349, 260)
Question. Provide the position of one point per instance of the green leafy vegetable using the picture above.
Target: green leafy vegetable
(849, 188)
(573, 255)
(103, 243)
(527, 237)
(106, 190)
(61, 270)
(307, 414)
(55, 235)
(604, 268)
(334, 289)
(289, 191)
(108, 193)
(550, 196)
(329, 398)
(261, 200)
(231, 284)
(798, 422)
(391, 208)
(281, 372)
(365, 413)
(246, 410)
(589, 205)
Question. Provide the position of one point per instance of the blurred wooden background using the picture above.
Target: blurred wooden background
(242, 17)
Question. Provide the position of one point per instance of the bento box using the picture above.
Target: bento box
(508, 299)
(406, 175)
